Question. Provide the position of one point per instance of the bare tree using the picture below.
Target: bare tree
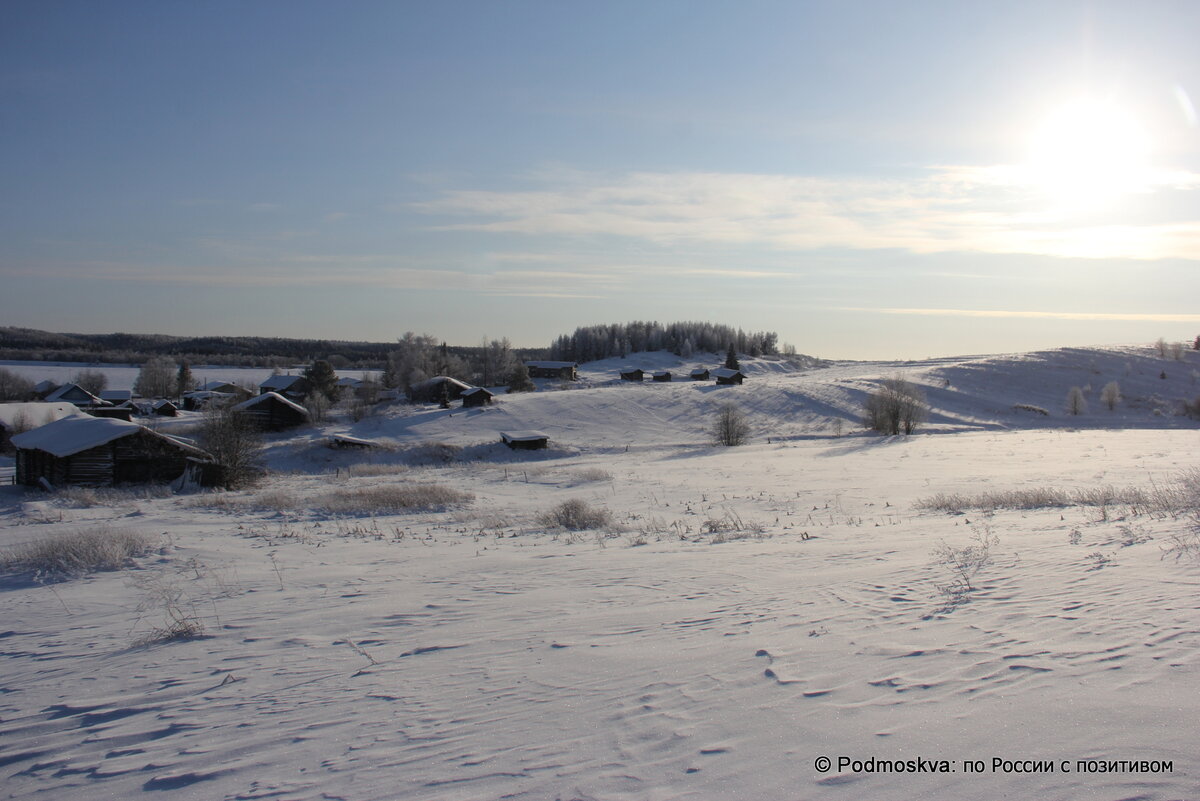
(232, 439)
(1076, 403)
(1110, 396)
(896, 407)
(14, 387)
(156, 379)
(730, 427)
(93, 381)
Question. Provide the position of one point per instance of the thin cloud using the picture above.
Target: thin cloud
(947, 209)
(1036, 315)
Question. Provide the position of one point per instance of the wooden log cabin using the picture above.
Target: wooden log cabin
(100, 452)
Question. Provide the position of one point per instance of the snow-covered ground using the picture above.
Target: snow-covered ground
(746, 612)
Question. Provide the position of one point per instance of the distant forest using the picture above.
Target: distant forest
(585, 344)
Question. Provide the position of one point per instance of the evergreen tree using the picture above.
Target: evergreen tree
(322, 378)
(520, 380)
(731, 360)
(183, 379)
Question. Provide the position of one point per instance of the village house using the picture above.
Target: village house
(272, 412)
(437, 389)
(662, 375)
(699, 374)
(633, 375)
(73, 393)
(476, 397)
(292, 387)
(100, 452)
(724, 375)
(525, 440)
(568, 371)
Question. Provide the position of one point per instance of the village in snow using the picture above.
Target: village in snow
(588, 591)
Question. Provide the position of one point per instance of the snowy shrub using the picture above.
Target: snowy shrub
(76, 553)
(1110, 396)
(366, 469)
(1076, 403)
(391, 499)
(590, 475)
(966, 561)
(235, 443)
(730, 426)
(575, 515)
(1026, 407)
(896, 407)
(433, 453)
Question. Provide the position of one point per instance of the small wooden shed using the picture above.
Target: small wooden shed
(662, 375)
(568, 371)
(272, 412)
(475, 397)
(724, 375)
(525, 440)
(633, 375)
(434, 390)
(164, 408)
(100, 452)
(699, 374)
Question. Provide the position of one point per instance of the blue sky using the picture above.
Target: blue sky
(870, 180)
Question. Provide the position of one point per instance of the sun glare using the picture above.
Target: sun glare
(1087, 153)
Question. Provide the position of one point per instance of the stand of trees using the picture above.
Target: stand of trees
(683, 339)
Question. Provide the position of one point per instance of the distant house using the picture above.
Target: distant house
(164, 408)
(116, 396)
(699, 374)
(121, 412)
(348, 383)
(99, 452)
(220, 386)
(17, 418)
(272, 412)
(662, 375)
(525, 440)
(73, 393)
(726, 376)
(476, 396)
(293, 387)
(202, 399)
(431, 390)
(568, 371)
(633, 375)
(43, 388)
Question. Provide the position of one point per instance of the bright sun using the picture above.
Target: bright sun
(1087, 153)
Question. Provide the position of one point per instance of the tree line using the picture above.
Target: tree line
(594, 342)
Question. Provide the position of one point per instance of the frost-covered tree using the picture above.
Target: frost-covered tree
(519, 380)
(730, 426)
(1110, 396)
(731, 359)
(184, 382)
(1076, 402)
(322, 378)
(156, 379)
(14, 387)
(94, 381)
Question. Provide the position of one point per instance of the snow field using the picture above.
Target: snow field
(748, 610)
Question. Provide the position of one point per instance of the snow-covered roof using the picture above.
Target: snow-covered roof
(551, 365)
(348, 381)
(72, 391)
(474, 390)
(215, 386)
(522, 436)
(725, 372)
(263, 398)
(700, 371)
(36, 413)
(162, 403)
(45, 385)
(660, 373)
(430, 383)
(72, 435)
(277, 382)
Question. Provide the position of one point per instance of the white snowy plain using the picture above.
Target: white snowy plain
(747, 611)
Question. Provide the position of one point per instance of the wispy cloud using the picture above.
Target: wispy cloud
(944, 209)
(1034, 315)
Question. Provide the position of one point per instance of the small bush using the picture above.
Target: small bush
(965, 562)
(591, 474)
(1076, 403)
(1026, 407)
(77, 553)
(391, 499)
(575, 515)
(730, 427)
(896, 407)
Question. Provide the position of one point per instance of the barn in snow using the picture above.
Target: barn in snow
(100, 452)
(633, 375)
(724, 375)
(476, 396)
(431, 390)
(568, 371)
(272, 412)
